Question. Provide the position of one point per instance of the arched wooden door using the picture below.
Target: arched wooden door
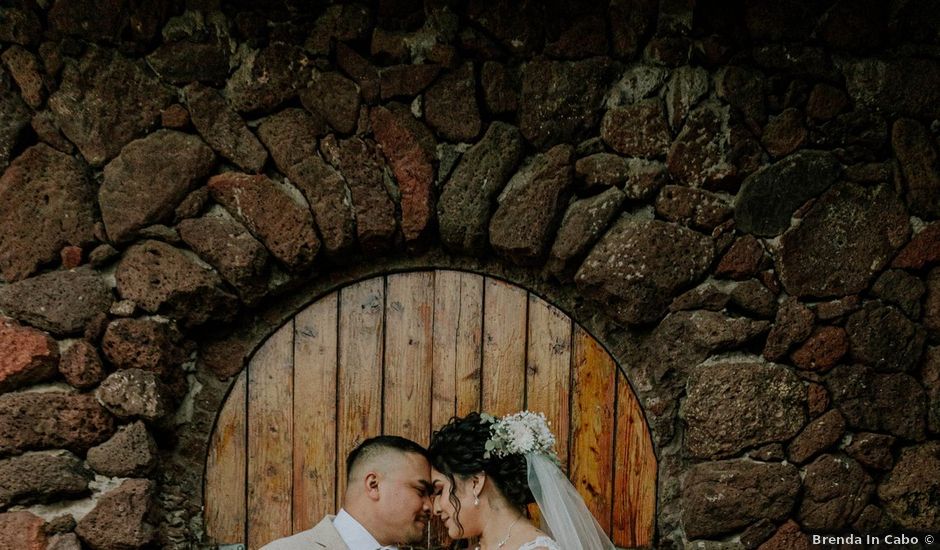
(402, 354)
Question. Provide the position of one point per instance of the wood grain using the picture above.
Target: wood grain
(592, 422)
(504, 346)
(408, 350)
(315, 350)
(225, 469)
(359, 413)
(635, 480)
(270, 439)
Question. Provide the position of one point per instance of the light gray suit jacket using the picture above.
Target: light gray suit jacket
(322, 536)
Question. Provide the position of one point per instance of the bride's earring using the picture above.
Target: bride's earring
(476, 501)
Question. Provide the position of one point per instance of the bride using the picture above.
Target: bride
(486, 470)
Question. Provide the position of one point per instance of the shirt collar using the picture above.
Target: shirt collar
(354, 534)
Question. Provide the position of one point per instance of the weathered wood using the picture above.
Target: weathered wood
(504, 333)
(548, 372)
(270, 438)
(470, 344)
(635, 478)
(315, 350)
(592, 422)
(225, 469)
(361, 325)
(408, 349)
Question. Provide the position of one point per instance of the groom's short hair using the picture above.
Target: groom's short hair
(375, 446)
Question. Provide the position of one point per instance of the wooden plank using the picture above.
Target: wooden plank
(408, 349)
(504, 333)
(470, 344)
(359, 411)
(270, 437)
(225, 469)
(635, 476)
(592, 422)
(315, 339)
(444, 358)
(548, 369)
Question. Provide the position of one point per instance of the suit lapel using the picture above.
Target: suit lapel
(326, 536)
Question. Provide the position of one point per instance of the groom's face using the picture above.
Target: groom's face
(405, 500)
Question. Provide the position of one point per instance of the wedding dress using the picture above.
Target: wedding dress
(541, 542)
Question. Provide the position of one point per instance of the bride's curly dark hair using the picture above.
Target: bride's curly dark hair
(457, 450)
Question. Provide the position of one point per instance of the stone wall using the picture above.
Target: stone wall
(740, 199)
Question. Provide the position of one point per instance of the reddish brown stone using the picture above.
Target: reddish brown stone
(42, 477)
(29, 356)
(335, 98)
(52, 420)
(25, 70)
(223, 129)
(271, 214)
(530, 206)
(583, 223)
(922, 251)
(501, 87)
(61, 302)
(240, 259)
(80, 365)
(519, 26)
(175, 117)
(788, 537)
(836, 489)
(817, 399)
(930, 377)
(20, 26)
(327, 194)
(268, 77)
(161, 278)
(638, 265)
(450, 105)
(638, 130)
(105, 101)
(784, 133)
(291, 136)
(822, 350)
(827, 311)
(932, 304)
(144, 344)
(132, 452)
(743, 88)
(128, 198)
(71, 256)
(122, 518)
(917, 154)
(755, 299)
(630, 23)
(908, 86)
(742, 260)
(793, 324)
(409, 148)
(909, 492)
(704, 296)
(22, 531)
(826, 101)
(360, 70)
(699, 155)
(581, 37)
(695, 208)
(890, 403)
(872, 450)
(881, 336)
(44, 124)
(686, 87)
(406, 81)
(362, 166)
(819, 435)
(46, 202)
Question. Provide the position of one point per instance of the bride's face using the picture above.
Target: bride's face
(460, 523)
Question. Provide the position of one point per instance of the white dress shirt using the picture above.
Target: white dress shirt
(355, 535)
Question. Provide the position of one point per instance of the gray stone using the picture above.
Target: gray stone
(465, 203)
(135, 393)
(268, 77)
(769, 197)
(930, 377)
(46, 203)
(848, 236)
(637, 130)
(902, 289)
(450, 105)
(583, 223)
(835, 490)
(161, 278)
(882, 337)
(196, 46)
(105, 101)
(637, 83)
(141, 188)
(335, 98)
(909, 492)
(872, 450)
(61, 302)
(42, 477)
(291, 136)
(905, 86)
(14, 118)
(918, 160)
(131, 452)
(686, 87)
(696, 208)
(890, 403)
(733, 405)
(330, 200)
(223, 129)
(531, 205)
(725, 496)
(699, 155)
(639, 265)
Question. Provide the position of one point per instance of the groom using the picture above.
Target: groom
(387, 500)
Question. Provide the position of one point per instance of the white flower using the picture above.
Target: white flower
(520, 433)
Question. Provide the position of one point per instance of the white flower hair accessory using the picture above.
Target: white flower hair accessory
(519, 433)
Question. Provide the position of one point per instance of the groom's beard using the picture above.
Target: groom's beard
(420, 530)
